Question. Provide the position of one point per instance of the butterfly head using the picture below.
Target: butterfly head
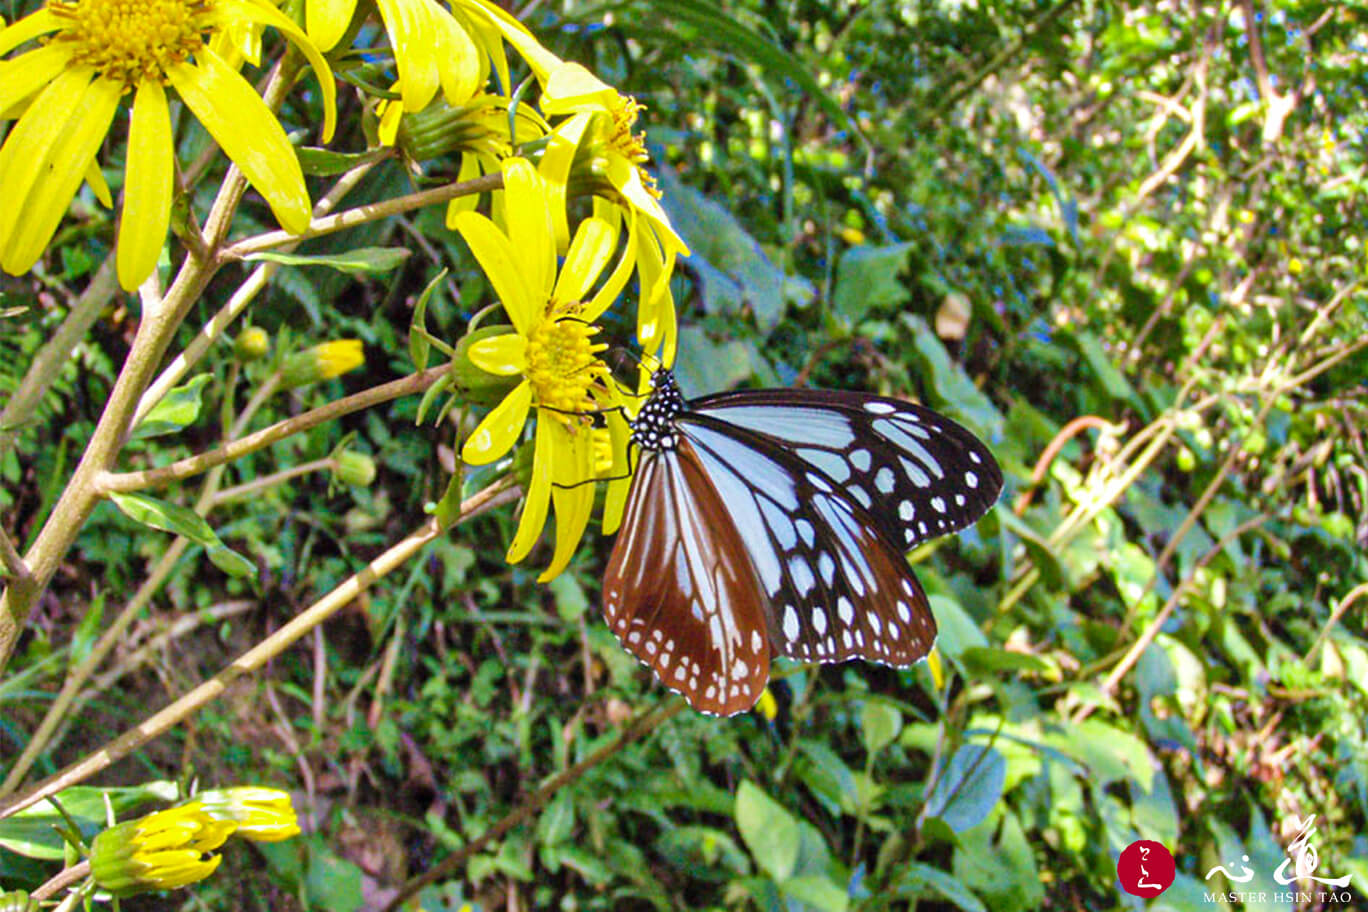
(654, 428)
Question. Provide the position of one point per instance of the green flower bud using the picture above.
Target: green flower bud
(162, 851)
(252, 344)
(353, 468)
(322, 362)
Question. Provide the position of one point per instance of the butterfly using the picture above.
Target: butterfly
(773, 522)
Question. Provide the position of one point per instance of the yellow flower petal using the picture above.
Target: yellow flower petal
(460, 62)
(326, 21)
(573, 503)
(25, 152)
(248, 132)
(28, 28)
(24, 75)
(502, 266)
(95, 180)
(571, 87)
(617, 280)
(535, 504)
(626, 177)
(616, 498)
(589, 252)
(519, 38)
(496, 434)
(63, 171)
(264, 12)
(554, 168)
(504, 355)
(410, 24)
(147, 186)
(529, 226)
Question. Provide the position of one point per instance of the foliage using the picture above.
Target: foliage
(1121, 242)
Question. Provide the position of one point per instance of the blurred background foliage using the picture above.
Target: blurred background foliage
(1120, 241)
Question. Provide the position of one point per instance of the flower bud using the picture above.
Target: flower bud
(261, 814)
(479, 386)
(353, 468)
(162, 851)
(252, 344)
(322, 362)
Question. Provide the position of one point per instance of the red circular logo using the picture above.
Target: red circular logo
(1145, 868)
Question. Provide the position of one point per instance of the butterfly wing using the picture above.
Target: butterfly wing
(833, 587)
(916, 472)
(679, 591)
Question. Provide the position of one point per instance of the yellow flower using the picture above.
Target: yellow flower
(161, 851)
(599, 129)
(551, 348)
(261, 814)
(322, 362)
(69, 89)
(434, 47)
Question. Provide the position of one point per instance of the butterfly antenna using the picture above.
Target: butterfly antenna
(630, 470)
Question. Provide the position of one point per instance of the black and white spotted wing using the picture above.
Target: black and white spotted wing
(773, 522)
(928, 475)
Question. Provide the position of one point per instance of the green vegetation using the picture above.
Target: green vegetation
(1123, 243)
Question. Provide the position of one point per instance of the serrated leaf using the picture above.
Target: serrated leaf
(360, 261)
(769, 831)
(177, 410)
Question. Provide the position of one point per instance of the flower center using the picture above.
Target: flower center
(129, 41)
(562, 362)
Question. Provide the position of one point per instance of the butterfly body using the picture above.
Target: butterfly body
(774, 522)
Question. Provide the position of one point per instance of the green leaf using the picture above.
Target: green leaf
(956, 630)
(419, 344)
(230, 562)
(177, 410)
(178, 520)
(867, 278)
(317, 162)
(816, 892)
(361, 261)
(703, 853)
(332, 882)
(823, 771)
(167, 517)
(954, 390)
(1108, 753)
(880, 725)
(997, 861)
(769, 831)
(969, 788)
(733, 271)
(31, 832)
(917, 880)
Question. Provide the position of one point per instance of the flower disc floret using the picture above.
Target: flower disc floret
(562, 361)
(127, 41)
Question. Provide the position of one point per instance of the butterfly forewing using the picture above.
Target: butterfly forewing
(679, 590)
(834, 588)
(915, 472)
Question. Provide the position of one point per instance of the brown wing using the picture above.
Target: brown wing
(679, 591)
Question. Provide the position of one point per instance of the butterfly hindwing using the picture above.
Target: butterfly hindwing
(679, 591)
(832, 587)
(916, 472)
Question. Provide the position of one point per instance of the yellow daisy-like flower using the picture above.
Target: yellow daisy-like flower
(435, 46)
(551, 348)
(600, 128)
(69, 89)
(162, 851)
(261, 814)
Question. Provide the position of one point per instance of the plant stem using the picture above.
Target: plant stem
(158, 724)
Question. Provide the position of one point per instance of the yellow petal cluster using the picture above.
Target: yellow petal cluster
(103, 57)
